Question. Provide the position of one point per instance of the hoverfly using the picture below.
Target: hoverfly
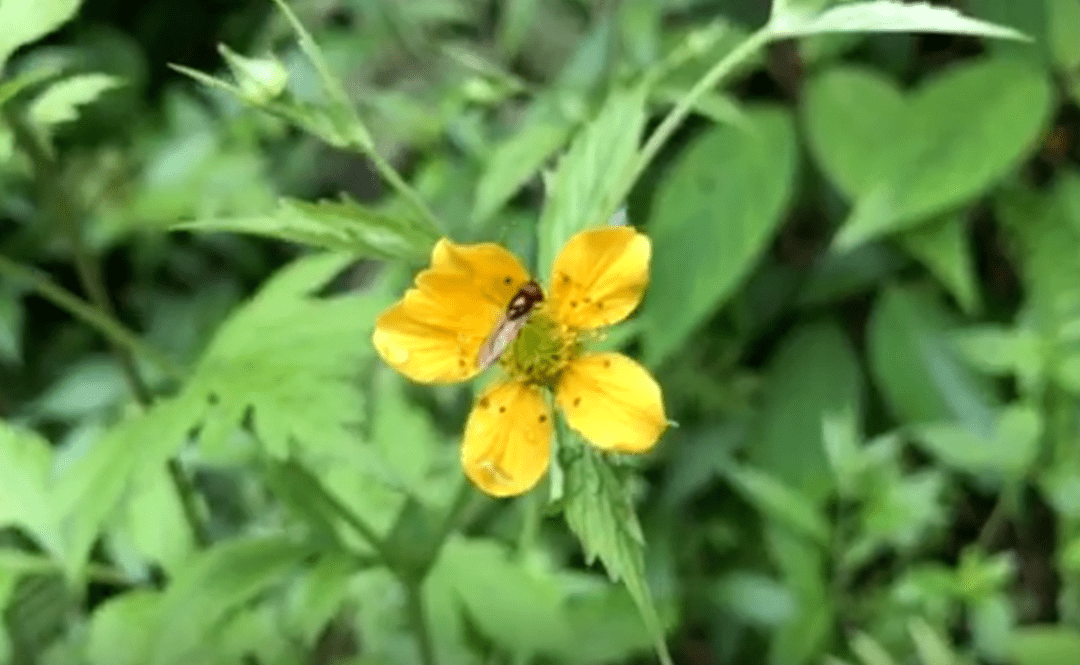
(517, 313)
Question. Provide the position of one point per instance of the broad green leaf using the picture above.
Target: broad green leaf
(26, 468)
(869, 651)
(1044, 645)
(912, 158)
(845, 111)
(121, 629)
(917, 367)
(59, 102)
(607, 626)
(26, 21)
(882, 16)
(1063, 24)
(583, 187)
(211, 586)
(755, 598)
(780, 502)
(1008, 452)
(343, 226)
(943, 247)
(599, 510)
(815, 372)
(518, 158)
(714, 215)
(516, 605)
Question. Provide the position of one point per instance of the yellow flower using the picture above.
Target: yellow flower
(434, 334)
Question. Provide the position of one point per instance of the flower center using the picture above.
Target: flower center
(540, 351)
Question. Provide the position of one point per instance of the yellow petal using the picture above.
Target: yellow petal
(433, 334)
(612, 401)
(599, 277)
(507, 439)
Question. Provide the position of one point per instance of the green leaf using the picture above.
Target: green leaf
(96, 477)
(26, 466)
(1008, 452)
(942, 246)
(1063, 26)
(882, 16)
(814, 372)
(121, 629)
(26, 21)
(152, 520)
(343, 226)
(58, 103)
(211, 586)
(600, 512)
(518, 606)
(908, 160)
(754, 598)
(714, 215)
(931, 647)
(781, 502)
(1044, 645)
(518, 158)
(291, 358)
(917, 367)
(584, 186)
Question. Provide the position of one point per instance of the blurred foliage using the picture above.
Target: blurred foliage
(864, 312)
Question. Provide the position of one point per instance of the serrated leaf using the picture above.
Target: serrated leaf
(58, 103)
(585, 183)
(121, 629)
(343, 226)
(714, 215)
(26, 21)
(883, 16)
(292, 359)
(600, 512)
(211, 586)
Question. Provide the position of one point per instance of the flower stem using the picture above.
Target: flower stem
(678, 113)
(418, 617)
(68, 213)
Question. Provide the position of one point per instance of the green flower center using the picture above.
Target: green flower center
(541, 351)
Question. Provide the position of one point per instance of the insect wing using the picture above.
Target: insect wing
(500, 338)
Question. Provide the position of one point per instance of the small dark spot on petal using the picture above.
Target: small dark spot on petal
(565, 278)
(507, 280)
(461, 362)
(577, 401)
(599, 304)
(543, 418)
(484, 403)
(502, 409)
(573, 303)
(607, 363)
(587, 299)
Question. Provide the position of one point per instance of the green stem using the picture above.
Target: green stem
(68, 213)
(362, 528)
(110, 328)
(431, 221)
(418, 618)
(678, 113)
